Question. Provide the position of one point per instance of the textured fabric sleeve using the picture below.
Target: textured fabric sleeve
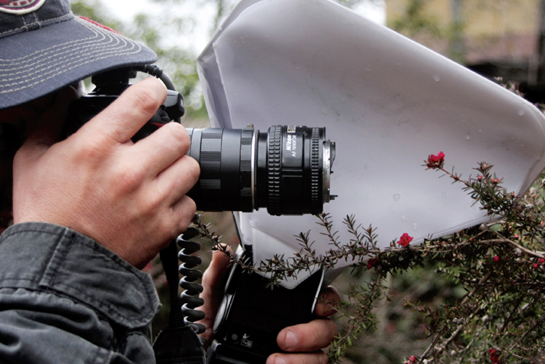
(66, 299)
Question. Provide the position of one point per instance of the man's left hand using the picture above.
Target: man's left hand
(303, 343)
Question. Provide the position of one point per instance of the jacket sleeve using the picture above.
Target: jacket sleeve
(66, 299)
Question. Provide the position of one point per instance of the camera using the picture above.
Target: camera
(286, 169)
(252, 314)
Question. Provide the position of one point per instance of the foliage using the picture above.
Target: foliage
(175, 55)
(499, 267)
(416, 21)
(458, 28)
(170, 30)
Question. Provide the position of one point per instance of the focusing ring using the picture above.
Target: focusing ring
(273, 171)
(315, 171)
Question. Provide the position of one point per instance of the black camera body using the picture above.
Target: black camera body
(252, 314)
(286, 170)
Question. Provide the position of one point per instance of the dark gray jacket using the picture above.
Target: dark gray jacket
(66, 299)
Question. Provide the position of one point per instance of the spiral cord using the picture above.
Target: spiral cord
(189, 298)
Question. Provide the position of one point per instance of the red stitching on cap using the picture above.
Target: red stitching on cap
(98, 24)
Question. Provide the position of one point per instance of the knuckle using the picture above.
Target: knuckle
(21, 156)
(188, 212)
(193, 169)
(316, 336)
(179, 132)
(180, 138)
(146, 100)
(331, 328)
(150, 206)
(128, 178)
(90, 149)
(181, 216)
(321, 333)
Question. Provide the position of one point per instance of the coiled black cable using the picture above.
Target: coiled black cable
(190, 296)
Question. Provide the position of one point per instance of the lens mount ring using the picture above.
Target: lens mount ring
(253, 170)
(328, 158)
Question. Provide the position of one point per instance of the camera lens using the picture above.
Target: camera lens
(287, 170)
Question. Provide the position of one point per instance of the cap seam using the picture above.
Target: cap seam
(95, 29)
(48, 48)
(64, 63)
(64, 70)
(27, 25)
(73, 55)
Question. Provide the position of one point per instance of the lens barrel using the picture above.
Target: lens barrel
(287, 170)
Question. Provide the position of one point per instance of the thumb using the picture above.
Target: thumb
(214, 279)
(213, 282)
(218, 266)
(47, 129)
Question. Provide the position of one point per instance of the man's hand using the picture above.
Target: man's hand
(304, 340)
(307, 340)
(129, 197)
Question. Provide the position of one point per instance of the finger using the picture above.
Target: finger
(128, 114)
(307, 337)
(177, 180)
(183, 212)
(46, 131)
(213, 282)
(328, 301)
(300, 358)
(162, 148)
(216, 271)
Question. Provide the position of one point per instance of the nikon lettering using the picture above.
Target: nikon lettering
(20, 7)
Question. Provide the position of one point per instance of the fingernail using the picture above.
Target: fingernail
(291, 340)
(280, 361)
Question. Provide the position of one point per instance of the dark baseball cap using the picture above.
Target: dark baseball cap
(44, 47)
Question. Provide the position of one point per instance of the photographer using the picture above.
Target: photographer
(63, 297)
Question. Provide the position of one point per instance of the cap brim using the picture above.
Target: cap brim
(35, 63)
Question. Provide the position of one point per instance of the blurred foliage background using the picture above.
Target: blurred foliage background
(496, 38)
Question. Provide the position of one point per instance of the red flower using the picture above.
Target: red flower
(541, 260)
(371, 263)
(436, 161)
(412, 359)
(405, 240)
(494, 356)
